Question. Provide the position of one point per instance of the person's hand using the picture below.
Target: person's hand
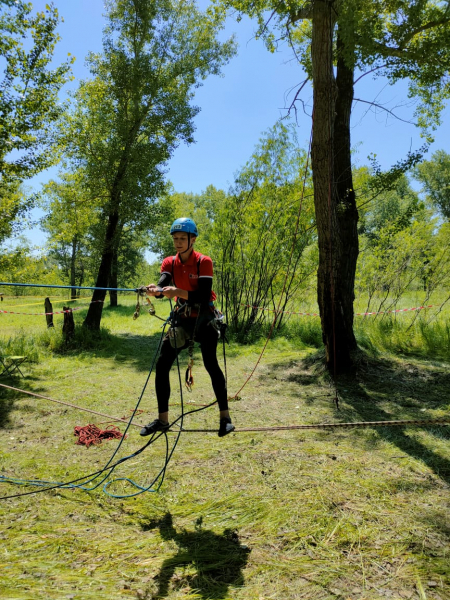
(153, 290)
(170, 291)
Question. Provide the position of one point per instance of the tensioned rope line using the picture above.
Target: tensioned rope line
(68, 287)
(58, 301)
(94, 412)
(349, 425)
(354, 424)
(56, 312)
(364, 314)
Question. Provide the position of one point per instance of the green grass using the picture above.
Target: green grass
(358, 514)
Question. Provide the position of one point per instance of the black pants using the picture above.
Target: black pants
(207, 336)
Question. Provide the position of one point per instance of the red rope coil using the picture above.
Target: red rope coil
(92, 435)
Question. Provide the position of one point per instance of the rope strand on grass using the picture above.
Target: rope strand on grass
(94, 412)
(354, 425)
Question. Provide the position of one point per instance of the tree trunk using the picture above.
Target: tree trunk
(73, 258)
(334, 200)
(113, 279)
(346, 213)
(68, 325)
(94, 314)
(48, 313)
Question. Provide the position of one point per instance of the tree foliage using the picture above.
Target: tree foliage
(264, 231)
(29, 104)
(14, 203)
(70, 216)
(403, 248)
(332, 41)
(137, 108)
(29, 89)
(434, 175)
(20, 264)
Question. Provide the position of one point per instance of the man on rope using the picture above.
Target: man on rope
(188, 278)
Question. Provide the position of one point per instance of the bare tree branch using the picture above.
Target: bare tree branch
(368, 73)
(296, 97)
(385, 109)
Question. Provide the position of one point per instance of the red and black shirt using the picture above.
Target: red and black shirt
(194, 276)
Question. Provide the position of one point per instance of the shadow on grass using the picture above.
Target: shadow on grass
(136, 349)
(388, 391)
(384, 390)
(217, 559)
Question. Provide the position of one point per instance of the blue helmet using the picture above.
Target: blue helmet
(184, 224)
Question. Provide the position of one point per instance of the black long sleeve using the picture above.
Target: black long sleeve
(164, 280)
(202, 294)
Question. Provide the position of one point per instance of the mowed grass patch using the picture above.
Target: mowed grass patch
(342, 513)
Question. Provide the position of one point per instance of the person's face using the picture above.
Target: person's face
(180, 241)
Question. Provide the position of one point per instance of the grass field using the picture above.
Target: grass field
(360, 514)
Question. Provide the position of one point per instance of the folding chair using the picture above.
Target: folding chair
(11, 364)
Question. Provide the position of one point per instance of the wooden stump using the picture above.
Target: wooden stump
(68, 325)
(48, 309)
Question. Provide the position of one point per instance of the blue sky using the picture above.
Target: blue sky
(237, 108)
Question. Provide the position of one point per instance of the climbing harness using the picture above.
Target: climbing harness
(177, 336)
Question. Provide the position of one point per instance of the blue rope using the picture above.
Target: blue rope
(109, 468)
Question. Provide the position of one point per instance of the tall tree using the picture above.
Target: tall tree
(14, 204)
(70, 215)
(29, 90)
(136, 110)
(332, 39)
(434, 174)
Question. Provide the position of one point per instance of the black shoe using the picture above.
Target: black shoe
(154, 427)
(226, 426)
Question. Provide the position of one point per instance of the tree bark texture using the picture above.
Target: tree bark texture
(94, 314)
(73, 259)
(346, 210)
(68, 325)
(113, 279)
(336, 214)
(48, 312)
